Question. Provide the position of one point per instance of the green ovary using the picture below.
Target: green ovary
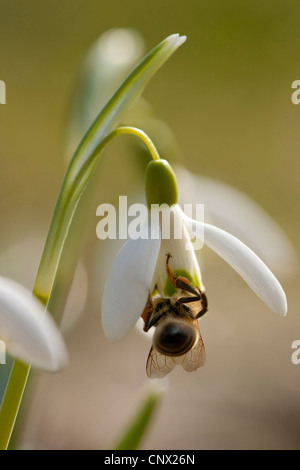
(160, 183)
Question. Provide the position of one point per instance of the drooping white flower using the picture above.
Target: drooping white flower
(140, 265)
(28, 332)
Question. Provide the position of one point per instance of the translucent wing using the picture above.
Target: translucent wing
(194, 358)
(158, 365)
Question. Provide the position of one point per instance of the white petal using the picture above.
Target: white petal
(250, 267)
(30, 334)
(234, 211)
(127, 287)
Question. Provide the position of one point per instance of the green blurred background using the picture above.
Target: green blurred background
(226, 94)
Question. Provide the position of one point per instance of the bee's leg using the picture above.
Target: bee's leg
(187, 300)
(184, 284)
(169, 269)
(155, 320)
(147, 312)
(201, 313)
(204, 300)
(180, 282)
(201, 297)
(204, 304)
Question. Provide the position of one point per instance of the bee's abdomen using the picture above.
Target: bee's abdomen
(174, 338)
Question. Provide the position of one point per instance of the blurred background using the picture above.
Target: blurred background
(226, 96)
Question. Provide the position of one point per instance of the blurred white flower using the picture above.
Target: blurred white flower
(106, 64)
(20, 261)
(28, 332)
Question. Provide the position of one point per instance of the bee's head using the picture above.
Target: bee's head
(174, 338)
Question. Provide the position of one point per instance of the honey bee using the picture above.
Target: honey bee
(177, 339)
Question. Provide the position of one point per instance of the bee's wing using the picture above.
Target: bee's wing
(194, 358)
(158, 365)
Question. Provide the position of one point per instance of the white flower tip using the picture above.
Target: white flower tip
(58, 358)
(112, 331)
(29, 332)
(51, 353)
(176, 39)
(271, 291)
(181, 40)
(281, 306)
(45, 350)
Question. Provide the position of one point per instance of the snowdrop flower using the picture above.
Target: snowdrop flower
(28, 333)
(140, 265)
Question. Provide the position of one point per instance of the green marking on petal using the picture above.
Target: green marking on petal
(154, 291)
(169, 289)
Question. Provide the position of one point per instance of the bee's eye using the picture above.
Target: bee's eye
(174, 338)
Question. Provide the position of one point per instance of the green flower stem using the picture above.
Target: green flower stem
(12, 401)
(137, 133)
(78, 175)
